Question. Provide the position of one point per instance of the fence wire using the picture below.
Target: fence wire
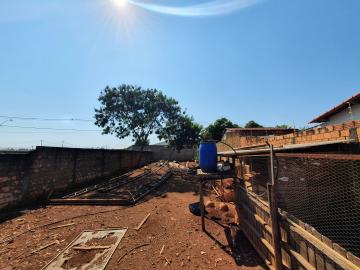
(256, 170)
(320, 190)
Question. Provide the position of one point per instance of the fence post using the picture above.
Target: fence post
(271, 188)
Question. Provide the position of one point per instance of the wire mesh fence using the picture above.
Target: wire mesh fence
(324, 192)
(256, 172)
(318, 189)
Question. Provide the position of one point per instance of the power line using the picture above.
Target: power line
(37, 132)
(47, 119)
(46, 128)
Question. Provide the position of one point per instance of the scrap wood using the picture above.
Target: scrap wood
(91, 247)
(46, 246)
(162, 250)
(131, 250)
(217, 193)
(142, 222)
(61, 226)
(167, 261)
(8, 239)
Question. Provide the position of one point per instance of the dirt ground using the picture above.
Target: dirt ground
(170, 224)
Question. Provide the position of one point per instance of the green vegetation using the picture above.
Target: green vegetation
(253, 124)
(132, 111)
(180, 132)
(283, 126)
(216, 130)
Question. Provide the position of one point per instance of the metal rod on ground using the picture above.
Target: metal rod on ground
(274, 213)
(202, 210)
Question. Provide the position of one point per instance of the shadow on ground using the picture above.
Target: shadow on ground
(237, 246)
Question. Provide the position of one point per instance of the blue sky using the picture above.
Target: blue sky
(274, 61)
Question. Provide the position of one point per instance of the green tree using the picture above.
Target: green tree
(216, 130)
(253, 124)
(283, 126)
(132, 111)
(181, 132)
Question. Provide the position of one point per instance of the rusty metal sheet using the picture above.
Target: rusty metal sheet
(90, 250)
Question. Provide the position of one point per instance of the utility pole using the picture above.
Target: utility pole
(41, 142)
(62, 144)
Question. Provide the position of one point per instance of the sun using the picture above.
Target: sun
(120, 3)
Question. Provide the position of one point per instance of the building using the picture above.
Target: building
(244, 137)
(162, 151)
(347, 110)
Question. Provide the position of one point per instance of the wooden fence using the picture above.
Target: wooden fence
(299, 245)
(302, 247)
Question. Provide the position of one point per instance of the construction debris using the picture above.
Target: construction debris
(142, 222)
(62, 226)
(46, 246)
(127, 189)
(90, 250)
(131, 250)
(170, 229)
(162, 250)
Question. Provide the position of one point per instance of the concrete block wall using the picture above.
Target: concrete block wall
(161, 152)
(12, 170)
(345, 131)
(28, 177)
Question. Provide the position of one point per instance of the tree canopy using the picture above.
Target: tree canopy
(129, 110)
(216, 130)
(253, 124)
(181, 132)
(283, 126)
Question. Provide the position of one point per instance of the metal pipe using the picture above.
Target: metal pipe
(283, 148)
(272, 188)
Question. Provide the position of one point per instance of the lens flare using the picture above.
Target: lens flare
(120, 3)
(209, 8)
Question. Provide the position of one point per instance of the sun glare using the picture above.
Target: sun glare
(120, 3)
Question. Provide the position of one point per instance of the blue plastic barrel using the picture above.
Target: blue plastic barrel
(208, 156)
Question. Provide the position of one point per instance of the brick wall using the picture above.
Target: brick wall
(28, 177)
(343, 131)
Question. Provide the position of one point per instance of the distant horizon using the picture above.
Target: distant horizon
(275, 62)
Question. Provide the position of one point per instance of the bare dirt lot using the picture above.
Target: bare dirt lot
(170, 228)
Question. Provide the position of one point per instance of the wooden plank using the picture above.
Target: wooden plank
(329, 265)
(91, 247)
(291, 245)
(261, 254)
(304, 263)
(142, 222)
(90, 201)
(320, 264)
(258, 218)
(284, 235)
(325, 250)
(62, 226)
(258, 235)
(311, 254)
(276, 239)
(286, 258)
(303, 249)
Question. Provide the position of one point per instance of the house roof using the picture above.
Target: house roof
(343, 105)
